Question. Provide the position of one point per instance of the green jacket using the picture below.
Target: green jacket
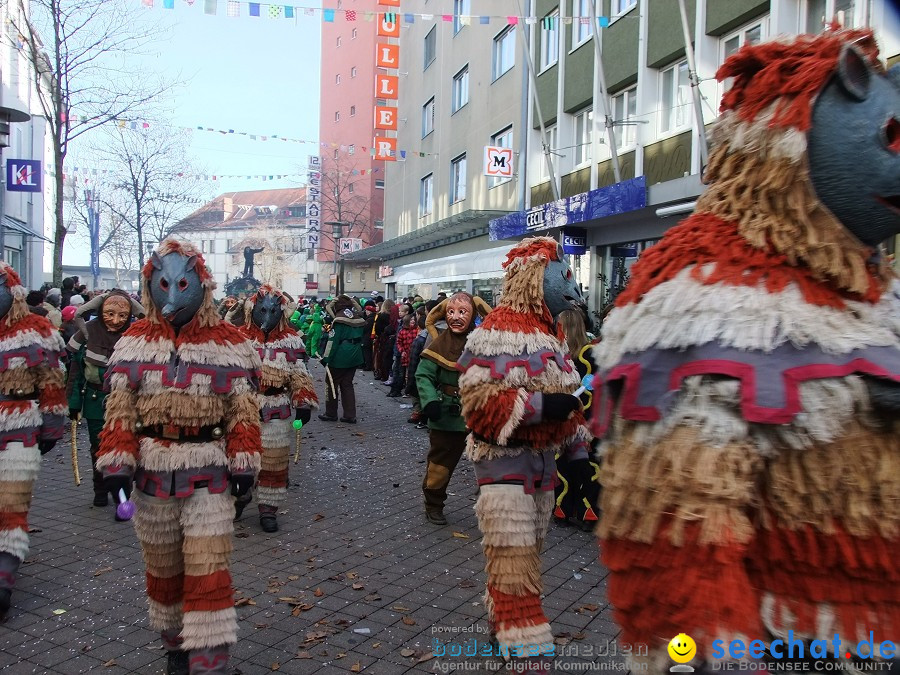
(85, 387)
(431, 380)
(344, 347)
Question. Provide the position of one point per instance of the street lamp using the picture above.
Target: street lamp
(337, 231)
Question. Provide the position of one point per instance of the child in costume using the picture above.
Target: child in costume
(751, 476)
(314, 332)
(517, 387)
(91, 348)
(437, 381)
(182, 422)
(32, 417)
(285, 390)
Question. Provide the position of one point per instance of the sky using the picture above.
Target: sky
(254, 75)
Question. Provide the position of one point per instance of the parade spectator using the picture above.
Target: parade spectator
(405, 338)
(402, 312)
(51, 304)
(35, 302)
(386, 330)
(412, 390)
(368, 334)
(68, 327)
(341, 357)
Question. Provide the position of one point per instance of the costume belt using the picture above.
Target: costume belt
(351, 341)
(273, 391)
(450, 390)
(95, 386)
(181, 483)
(19, 395)
(173, 432)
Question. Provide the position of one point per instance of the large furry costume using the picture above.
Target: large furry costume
(750, 486)
(285, 384)
(32, 414)
(516, 358)
(182, 417)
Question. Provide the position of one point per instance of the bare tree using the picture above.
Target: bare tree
(79, 52)
(150, 182)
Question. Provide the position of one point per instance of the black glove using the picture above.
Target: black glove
(884, 395)
(560, 406)
(241, 484)
(303, 414)
(46, 446)
(113, 484)
(432, 411)
(74, 413)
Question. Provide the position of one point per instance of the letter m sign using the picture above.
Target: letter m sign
(498, 162)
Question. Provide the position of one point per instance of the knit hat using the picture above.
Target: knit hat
(68, 313)
(76, 301)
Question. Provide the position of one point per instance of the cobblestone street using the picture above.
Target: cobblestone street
(356, 580)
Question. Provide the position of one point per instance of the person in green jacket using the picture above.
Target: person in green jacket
(314, 332)
(341, 357)
(91, 348)
(438, 382)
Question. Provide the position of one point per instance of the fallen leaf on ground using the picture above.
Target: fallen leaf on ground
(102, 570)
(340, 656)
(579, 636)
(376, 645)
(243, 602)
(293, 577)
(368, 554)
(356, 667)
(358, 433)
(85, 648)
(33, 530)
(352, 575)
(290, 600)
(319, 593)
(260, 626)
(408, 621)
(110, 664)
(241, 535)
(400, 608)
(58, 612)
(275, 666)
(407, 652)
(461, 535)
(316, 635)
(467, 584)
(318, 516)
(425, 657)
(372, 596)
(358, 587)
(342, 622)
(303, 655)
(587, 608)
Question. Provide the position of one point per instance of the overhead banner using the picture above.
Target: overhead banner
(314, 202)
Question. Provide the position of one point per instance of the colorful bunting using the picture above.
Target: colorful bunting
(254, 9)
(350, 15)
(328, 15)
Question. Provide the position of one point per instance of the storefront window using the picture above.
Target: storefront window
(488, 290)
(618, 260)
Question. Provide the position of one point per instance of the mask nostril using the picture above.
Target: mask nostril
(891, 134)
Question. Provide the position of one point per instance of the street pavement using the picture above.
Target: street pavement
(356, 580)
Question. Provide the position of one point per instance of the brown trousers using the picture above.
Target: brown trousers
(343, 387)
(446, 449)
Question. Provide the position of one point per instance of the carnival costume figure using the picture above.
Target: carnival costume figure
(517, 387)
(286, 390)
(32, 417)
(751, 373)
(182, 422)
(437, 380)
(91, 347)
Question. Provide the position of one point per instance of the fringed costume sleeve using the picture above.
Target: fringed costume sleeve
(243, 444)
(303, 390)
(51, 377)
(119, 444)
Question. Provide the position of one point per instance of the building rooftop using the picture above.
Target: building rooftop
(246, 208)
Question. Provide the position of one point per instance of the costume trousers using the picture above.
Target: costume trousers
(19, 466)
(444, 453)
(271, 486)
(187, 544)
(513, 526)
(94, 429)
(343, 386)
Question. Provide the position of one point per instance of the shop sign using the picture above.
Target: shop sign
(385, 271)
(574, 240)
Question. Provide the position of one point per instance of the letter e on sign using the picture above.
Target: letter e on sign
(385, 118)
(387, 56)
(498, 162)
(385, 149)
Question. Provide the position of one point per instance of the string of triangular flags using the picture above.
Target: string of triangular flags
(341, 147)
(240, 8)
(84, 173)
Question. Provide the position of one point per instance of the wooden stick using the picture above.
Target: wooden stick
(297, 443)
(75, 452)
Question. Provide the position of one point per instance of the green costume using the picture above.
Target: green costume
(314, 332)
(438, 383)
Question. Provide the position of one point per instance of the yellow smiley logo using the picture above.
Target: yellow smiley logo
(682, 648)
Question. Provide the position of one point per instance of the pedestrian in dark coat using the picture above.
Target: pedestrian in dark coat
(341, 357)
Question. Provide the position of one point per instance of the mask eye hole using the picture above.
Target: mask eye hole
(164, 284)
(568, 275)
(891, 133)
(183, 284)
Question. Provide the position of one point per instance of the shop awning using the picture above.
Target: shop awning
(17, 225)
(459, 227)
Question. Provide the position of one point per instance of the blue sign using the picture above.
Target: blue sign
(23, 175)
(574, 240)
(628, 195)
(624, 251)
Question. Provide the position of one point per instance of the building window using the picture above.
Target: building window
(337, 115)
(621, 6)
(310, 278)
(460, 90)
(624, 111)
(460, 8)
(353, 34)
(379, 224)
(820, 12)
(362, 279)
(379, 184)
(337, 42)
(426, 195)
(584, 132)
(335, 153)
(430, 46)
(549, 40)
(351, 149)
(350, 188)
(504, 51)
(502, 139)
(353, 71)
(203, 246)
(748, 35)
(352, 111)
(551, 141)
(212, 245)
(337, 78)
(428, 117)
(228, 245)
(458, 179)
(310, 255)
(675, 98)
(582, 28)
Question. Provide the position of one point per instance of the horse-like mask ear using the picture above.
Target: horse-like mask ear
(156, 261)
(854, 73)
(190, 264)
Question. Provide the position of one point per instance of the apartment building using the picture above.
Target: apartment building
(352, 181)
(650, 101)
(26, 207)
(461, 88)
